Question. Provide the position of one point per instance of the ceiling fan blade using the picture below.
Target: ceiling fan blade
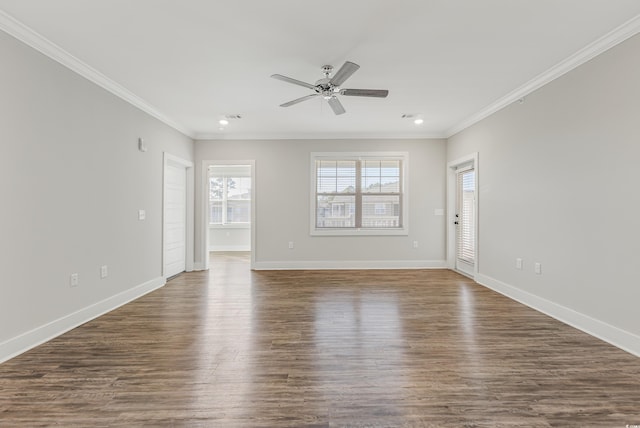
(299, 100)
(336, 105)
(378, 93)
(294, 81)
(347, 69)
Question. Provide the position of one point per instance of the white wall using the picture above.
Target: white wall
(72, 182)
(283, 216)
(229, 238)
(559, 185)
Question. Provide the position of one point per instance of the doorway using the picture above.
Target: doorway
(462, 225)
(229, 218)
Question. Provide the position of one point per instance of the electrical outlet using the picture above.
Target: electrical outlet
(537, 268)
(519, 263)
(291, 245)
(142, 214)
(74, 280)
(104, 271)
(415, 244)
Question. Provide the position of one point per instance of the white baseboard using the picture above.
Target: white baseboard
(26, 341)
(350, 265)
(615, 336)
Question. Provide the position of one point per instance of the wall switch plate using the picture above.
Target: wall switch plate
(537, 268)
(142, 214)
(74, 280)
(519, 263)
(291, 245)
(415, 244)
(104, 271)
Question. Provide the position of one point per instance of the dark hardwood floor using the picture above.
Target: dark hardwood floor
(235, 348)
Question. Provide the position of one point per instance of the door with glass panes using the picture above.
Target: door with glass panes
(465, 220)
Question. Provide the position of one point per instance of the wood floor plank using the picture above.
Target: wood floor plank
(236, 348)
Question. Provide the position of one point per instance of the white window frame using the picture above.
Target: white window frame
(317, 156)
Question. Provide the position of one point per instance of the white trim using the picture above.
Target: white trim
(453, 168)
(17, 345)
(253, 214)
(323, 136)
(169, 159)
(615, 336)
(38, 42)
(601, 45)
(351, 265)
(229, 226)
(203, 251)
(403, 231)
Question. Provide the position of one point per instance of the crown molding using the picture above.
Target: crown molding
(604, 43)
(15, 28)
(320, 136)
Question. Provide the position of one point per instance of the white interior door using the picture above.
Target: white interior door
(175, 220)
(465, 220)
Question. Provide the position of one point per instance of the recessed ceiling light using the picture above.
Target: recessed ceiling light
(223, 122)
(418, 121)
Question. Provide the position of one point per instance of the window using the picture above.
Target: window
(230, 195)
(358, 193)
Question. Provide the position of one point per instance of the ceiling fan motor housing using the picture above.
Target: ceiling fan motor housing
(325, 88)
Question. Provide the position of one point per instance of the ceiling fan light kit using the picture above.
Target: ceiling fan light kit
(329, 87)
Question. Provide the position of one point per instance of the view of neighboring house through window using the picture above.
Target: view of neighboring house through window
(363, 192)
(381, 193)
(230, 195)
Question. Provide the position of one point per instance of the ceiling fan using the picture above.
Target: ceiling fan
(328, 87)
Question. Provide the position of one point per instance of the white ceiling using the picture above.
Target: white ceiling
(191, 62)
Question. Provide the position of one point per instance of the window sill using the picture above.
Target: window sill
(360, 232)
(230, 226)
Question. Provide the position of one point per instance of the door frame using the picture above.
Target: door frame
(204, 247)
(470, 159)
(175, 161)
